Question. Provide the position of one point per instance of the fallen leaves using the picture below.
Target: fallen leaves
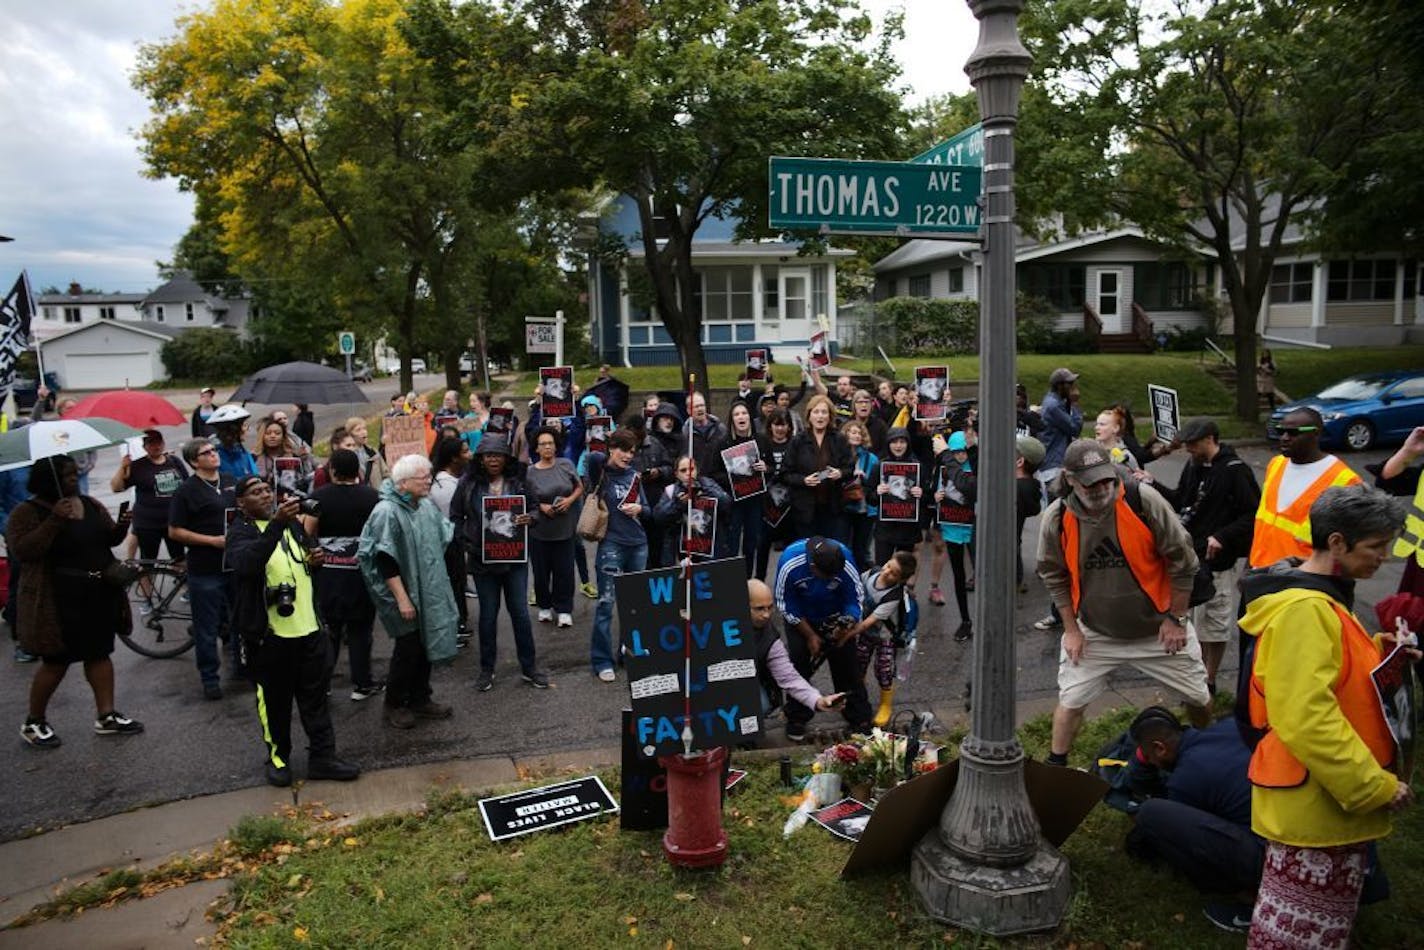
(484, 898)
(352, 842)
(684, 896)
(300, 935)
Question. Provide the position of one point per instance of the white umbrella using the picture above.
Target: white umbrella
(59, 437)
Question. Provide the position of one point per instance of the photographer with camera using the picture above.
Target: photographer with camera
(274, 612)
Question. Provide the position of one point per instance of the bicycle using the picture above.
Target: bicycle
(165, 628)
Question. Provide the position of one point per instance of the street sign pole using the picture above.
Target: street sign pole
(558, 338)
(986, 865)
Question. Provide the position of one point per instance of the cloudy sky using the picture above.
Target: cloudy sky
(72, 193)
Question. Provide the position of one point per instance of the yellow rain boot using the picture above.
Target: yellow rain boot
(887, 706)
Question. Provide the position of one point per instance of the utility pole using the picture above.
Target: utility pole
(986, 866)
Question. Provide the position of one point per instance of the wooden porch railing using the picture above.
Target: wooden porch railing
(1142, 326)
(1092, 324)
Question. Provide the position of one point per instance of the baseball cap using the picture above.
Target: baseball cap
(152, 435)
(1061, 375)
(209, 390)
(957, 442)
(1088, 462)
(826, 555)
(1029, 449)
(1198, 428)
(246, 482)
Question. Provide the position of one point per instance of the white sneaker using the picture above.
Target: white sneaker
(566, 620)
(608, 676)
(546, 615)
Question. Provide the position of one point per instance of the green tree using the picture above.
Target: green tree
(1215, 125)
(678, 104)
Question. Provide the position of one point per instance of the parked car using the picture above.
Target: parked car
(392, 367)
(417, 366)
(1364, 410)
(361, 372)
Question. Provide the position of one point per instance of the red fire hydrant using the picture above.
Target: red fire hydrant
(695, 838)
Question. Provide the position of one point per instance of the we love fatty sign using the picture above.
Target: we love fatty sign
(726, 697)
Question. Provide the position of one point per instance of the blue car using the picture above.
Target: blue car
(1365, 410)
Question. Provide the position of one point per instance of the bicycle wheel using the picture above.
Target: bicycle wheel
(162, 620)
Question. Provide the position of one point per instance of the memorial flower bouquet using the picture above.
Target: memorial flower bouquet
(846, 760)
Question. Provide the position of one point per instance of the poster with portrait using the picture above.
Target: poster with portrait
(954, 507)
(820, 356)
(503, 540)
(756, 366)
(500, 422)
(1394, 684)
(898, 504)
(777, 505)
(557, 400)
(286, 475)
(740, 461)
(846, 818)
(635, 488)
(598, 428)
(931, 393)
(698, 538)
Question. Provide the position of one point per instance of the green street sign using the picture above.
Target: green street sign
(833, 196)
(346, 341)
(966, 148)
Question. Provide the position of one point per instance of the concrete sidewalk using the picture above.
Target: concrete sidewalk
(34, 870)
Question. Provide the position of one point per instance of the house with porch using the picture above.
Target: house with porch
(178, 302)
(752, 294)
(1118, 286)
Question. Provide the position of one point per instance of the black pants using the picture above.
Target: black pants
(455, 569)
(1214, 854)
(844, 670)
(294, 668)
(408, 679)
(553, 565)
(354, 629)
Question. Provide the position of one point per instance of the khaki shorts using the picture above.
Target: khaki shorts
(1215, 619)
(1081, 684)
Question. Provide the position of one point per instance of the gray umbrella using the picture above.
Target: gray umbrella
(298, 383)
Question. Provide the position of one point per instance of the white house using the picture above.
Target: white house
(107, 354)
(179, 302)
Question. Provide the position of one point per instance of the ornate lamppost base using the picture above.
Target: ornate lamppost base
(986, 899)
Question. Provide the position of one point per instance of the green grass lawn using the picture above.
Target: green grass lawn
(437, 881)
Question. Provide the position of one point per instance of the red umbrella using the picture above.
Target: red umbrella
(142, 410)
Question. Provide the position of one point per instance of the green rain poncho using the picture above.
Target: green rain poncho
(414, 533)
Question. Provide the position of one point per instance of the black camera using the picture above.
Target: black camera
(284, 598)
(306, 503)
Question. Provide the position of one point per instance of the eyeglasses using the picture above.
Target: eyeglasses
(201, 452)
(1294, 431)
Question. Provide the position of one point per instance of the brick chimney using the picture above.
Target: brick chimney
(75, 288)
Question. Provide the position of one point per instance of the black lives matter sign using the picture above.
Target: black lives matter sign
(725, 693)
(520, 813)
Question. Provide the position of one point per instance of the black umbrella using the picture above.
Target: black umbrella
(298, 383)
(613, 393)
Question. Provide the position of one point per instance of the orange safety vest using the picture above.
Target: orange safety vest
(1148, 566)
(1279, 534)
(1275, 766)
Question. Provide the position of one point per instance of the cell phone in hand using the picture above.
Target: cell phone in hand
(124, 508)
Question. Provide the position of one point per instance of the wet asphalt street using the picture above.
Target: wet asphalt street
(195, 747)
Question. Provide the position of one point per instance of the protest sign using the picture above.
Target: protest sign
(740, 461)
(733, 777)
(519, 813)
(820, 350)
(725, 694)
(286, 475)
(467, 424)
(898, 504)
(501, 421)
(503, 540)
(1166, 416)
(557, 400)
(698, 538)
(643, 799)
(339, 553)
(953, 508)
(634, 492)
(1394, 684)
(403, 435)
(931, 393)
(846, 818)
(756, 366)
(778, 503)
(598, 429)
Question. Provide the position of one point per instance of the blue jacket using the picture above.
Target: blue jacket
(617, 483)
(1210, 773)
(14, 488)
(801, 595)
(1062, 423)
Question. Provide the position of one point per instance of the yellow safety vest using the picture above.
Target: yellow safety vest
(1411, 541)
(1279, 534)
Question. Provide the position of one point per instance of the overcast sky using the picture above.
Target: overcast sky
(72, 194)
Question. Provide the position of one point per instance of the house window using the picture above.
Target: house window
(956, 280)
(920, 285)
(158, 313)
(48, 312)
(106, 313)
(1360, 280)
(1062, 285)
(1291, 283)
(1162, 285)
(820, 297)
(188, 312)
(71, 315)
(725, 293)
(770, 293)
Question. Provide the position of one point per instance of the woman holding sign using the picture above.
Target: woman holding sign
(491, 511)
(819, 462)
(671, 511)
(742, 475)
(896, 533)
(557, 491)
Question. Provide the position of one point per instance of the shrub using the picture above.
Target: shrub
(206, 353)
(1175, 339)
(922, 324)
